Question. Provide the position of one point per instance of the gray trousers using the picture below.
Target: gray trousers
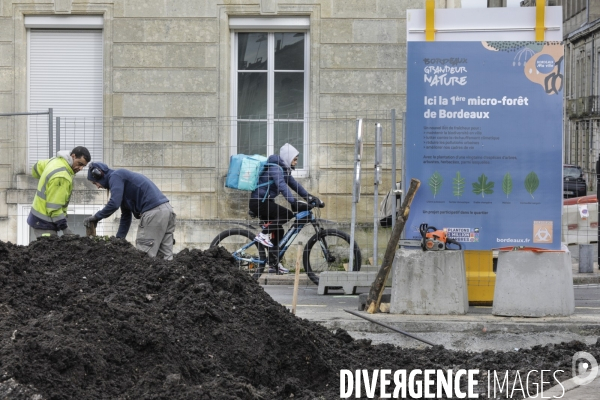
(155, 232)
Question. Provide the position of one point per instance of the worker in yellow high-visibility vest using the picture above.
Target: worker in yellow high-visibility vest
(48, 213)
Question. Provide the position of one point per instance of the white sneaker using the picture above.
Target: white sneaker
(263, 239)
(282, 270)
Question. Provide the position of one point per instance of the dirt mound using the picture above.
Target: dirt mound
(96, 319)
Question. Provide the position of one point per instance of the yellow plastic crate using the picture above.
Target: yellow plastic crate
(481, 279)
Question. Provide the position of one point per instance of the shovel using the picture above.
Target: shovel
(91, 230)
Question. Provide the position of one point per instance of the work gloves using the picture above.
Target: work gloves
(315, 201)
(301, 206)
(68, 232)
(90, 221)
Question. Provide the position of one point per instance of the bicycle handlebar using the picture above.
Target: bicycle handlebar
(319, 205)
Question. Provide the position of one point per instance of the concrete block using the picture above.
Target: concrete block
(164, 155)
(192, 8)
(358, 81)
(5, 175)
(6, 54)
(586, 258)
(397, 9)
(349, 281)
(135, 80)
(335, 182)
(165, 105)
(172, 55)
(166, 30)
(3, 205)
(363, 56)
(375, 31)
(181, 30)
(5, 104)
(128, 30)
(6, 29)
(355, 9)
(63, 6)
(387, 102)
(430, 282)
(530, 284)
(330, 103)
(146, 8)
(336, 31)
(6, 79)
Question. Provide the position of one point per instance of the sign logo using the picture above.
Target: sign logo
(542, 231)
(585, 368)
(544, 64)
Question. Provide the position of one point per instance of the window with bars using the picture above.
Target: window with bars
(270, 92)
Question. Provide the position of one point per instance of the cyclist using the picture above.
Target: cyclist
(262, 200)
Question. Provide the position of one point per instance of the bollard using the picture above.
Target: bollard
(586, 259)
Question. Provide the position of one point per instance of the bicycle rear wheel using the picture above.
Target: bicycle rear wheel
(233, 240)
(329, 250)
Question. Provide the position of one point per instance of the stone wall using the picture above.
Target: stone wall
(168, 62)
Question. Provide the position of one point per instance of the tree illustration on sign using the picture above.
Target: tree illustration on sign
(482, 186)
(507, 184)
(531, 183)
(435, 183)
(458, 184)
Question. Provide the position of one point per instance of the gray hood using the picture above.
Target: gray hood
(66, 154)
(287, 154)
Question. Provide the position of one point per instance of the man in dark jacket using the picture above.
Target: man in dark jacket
(262, 199)
(136, 195)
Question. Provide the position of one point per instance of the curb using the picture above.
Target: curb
(273, 279)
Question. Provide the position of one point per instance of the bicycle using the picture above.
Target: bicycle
(331, 254)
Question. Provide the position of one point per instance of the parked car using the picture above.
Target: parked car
(574, 184)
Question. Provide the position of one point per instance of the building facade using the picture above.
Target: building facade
(581, 28)
(172, 88)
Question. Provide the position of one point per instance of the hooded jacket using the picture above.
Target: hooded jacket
(282, 177)
(130, 191)
(49, 208)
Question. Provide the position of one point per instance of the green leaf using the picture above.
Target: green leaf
(482, 186)
(435, 183)
(507, 184)
(532, 182)
(458, 184)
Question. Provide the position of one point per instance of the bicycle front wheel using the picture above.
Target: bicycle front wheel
(246, 252)
(329, 250)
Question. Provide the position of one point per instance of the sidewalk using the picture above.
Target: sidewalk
(274, 279)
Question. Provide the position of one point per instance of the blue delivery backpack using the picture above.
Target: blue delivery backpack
(244, 171)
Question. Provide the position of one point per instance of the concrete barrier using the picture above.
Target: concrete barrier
(429, 282)
(580, 223)
(586, 259)
(534, 284)
(349, 281)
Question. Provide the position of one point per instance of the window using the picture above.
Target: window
(270, 89)
(65, 73)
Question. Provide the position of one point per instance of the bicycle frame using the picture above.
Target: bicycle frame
(302, 218)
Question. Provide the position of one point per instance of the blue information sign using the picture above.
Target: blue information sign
(484, 137)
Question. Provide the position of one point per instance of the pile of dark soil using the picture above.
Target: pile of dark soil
(96, 319)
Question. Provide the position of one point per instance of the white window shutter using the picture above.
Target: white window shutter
(65, 74)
